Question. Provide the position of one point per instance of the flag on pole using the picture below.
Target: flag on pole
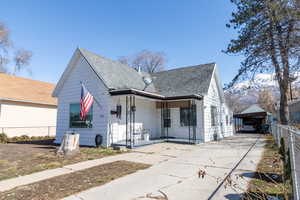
(86, 101)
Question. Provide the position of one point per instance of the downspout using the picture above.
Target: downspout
(203, 120)
(196, 121)
(161, 120)
(167, 107)
(134, 109)
(126, 113)
(221, 120)
(130, 121)
(189, 118)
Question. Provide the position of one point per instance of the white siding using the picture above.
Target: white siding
(70, 93)
(212, 99)
(149, 117)
(31, 120)
(145, 118)
(182, 132)
(228, 127)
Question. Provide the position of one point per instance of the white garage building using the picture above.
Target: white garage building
(26, 107)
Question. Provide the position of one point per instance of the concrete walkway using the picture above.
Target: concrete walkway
(141, 155)
(175, 171)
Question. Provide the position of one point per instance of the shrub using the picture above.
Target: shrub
(3, 138)
(25, 138)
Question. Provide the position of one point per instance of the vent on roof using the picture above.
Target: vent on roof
(147, 80)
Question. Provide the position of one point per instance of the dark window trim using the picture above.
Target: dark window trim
(81, 121)
(213, 113)
(167, 117)
(190, 119)
(227, 120)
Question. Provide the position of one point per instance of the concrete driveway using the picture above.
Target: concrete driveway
(175, 168)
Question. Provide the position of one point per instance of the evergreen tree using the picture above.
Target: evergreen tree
(269, 38)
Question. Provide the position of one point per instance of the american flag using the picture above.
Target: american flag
(86, 102)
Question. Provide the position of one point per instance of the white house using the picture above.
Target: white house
(26, 107)
(133, 108)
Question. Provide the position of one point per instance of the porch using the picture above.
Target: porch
(140, 119)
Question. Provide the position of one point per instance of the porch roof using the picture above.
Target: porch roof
(152, 95)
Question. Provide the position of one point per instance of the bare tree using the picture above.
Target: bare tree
(20, 59)
(147, 61)
(266, 100)
(234, 102)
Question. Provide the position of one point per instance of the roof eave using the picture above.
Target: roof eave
(26, 101)
(152, 95)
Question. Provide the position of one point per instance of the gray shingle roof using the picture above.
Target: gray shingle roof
(114, 74)
(253, 109)
(184, 81)
(176, 82)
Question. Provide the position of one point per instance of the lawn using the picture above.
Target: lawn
(66, 185)
(268, 179)
(21, 159)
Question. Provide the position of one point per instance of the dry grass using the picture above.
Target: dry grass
(264, 182)
(22, 159)
(66, 185)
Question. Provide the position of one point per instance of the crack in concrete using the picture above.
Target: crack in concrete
(170, 156)
(175, 176)
(163, 196)
(142, 152)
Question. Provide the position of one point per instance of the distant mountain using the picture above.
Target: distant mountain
(248, 90)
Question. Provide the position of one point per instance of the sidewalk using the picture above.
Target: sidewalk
(174, 171)
(177, 178)
(140, 156)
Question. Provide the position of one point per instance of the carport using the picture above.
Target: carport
(251, 119)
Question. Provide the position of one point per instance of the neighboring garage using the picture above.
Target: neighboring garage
(26, 107)
(251, 119)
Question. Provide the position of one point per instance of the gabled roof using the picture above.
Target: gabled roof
(253, 109)
(185, 80)
(114, 74)
(117, 77)
(13, 88)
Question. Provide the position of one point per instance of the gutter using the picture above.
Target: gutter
(152, 95)
(24, 101)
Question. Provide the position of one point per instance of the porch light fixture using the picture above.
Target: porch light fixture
(133, 108)
(117, 112)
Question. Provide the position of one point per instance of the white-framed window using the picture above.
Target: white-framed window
(213, 114)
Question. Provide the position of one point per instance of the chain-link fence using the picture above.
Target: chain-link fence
(29, 131)
(291, 140)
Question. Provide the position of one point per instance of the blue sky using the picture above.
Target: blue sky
(189, 32)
